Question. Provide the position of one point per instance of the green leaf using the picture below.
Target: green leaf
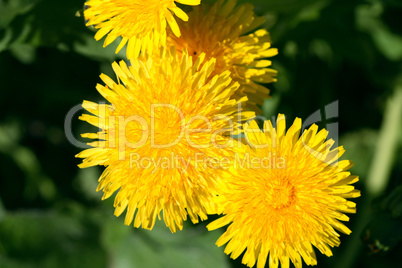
(86, 183)
(93, 49)
(369, 20)
(393, 203)
(9, 9)
(359, 149)
(192, 247)
(24, 53)
(42, 239)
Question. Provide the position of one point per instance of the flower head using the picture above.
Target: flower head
(289, 195)
(223, 31)
(165, 121)
(141, 23)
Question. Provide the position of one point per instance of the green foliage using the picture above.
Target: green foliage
(192, 247)
(42, 239)
(93, 238)
(383, 232)
(50, 213)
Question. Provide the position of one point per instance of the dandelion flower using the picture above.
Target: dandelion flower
(290, 198)
(141, 23)
(222, 31)
(163, 122)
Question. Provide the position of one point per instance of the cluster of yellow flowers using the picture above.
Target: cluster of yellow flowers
(167, 138)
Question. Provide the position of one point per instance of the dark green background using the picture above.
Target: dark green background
(50, 214)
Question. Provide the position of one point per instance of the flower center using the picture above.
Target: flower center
(280, 195)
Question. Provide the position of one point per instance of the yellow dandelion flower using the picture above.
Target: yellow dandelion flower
(141, 23)
(164, 122)
(222, 31)
(286, 195)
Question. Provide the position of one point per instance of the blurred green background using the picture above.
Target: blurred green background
(50, 214)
